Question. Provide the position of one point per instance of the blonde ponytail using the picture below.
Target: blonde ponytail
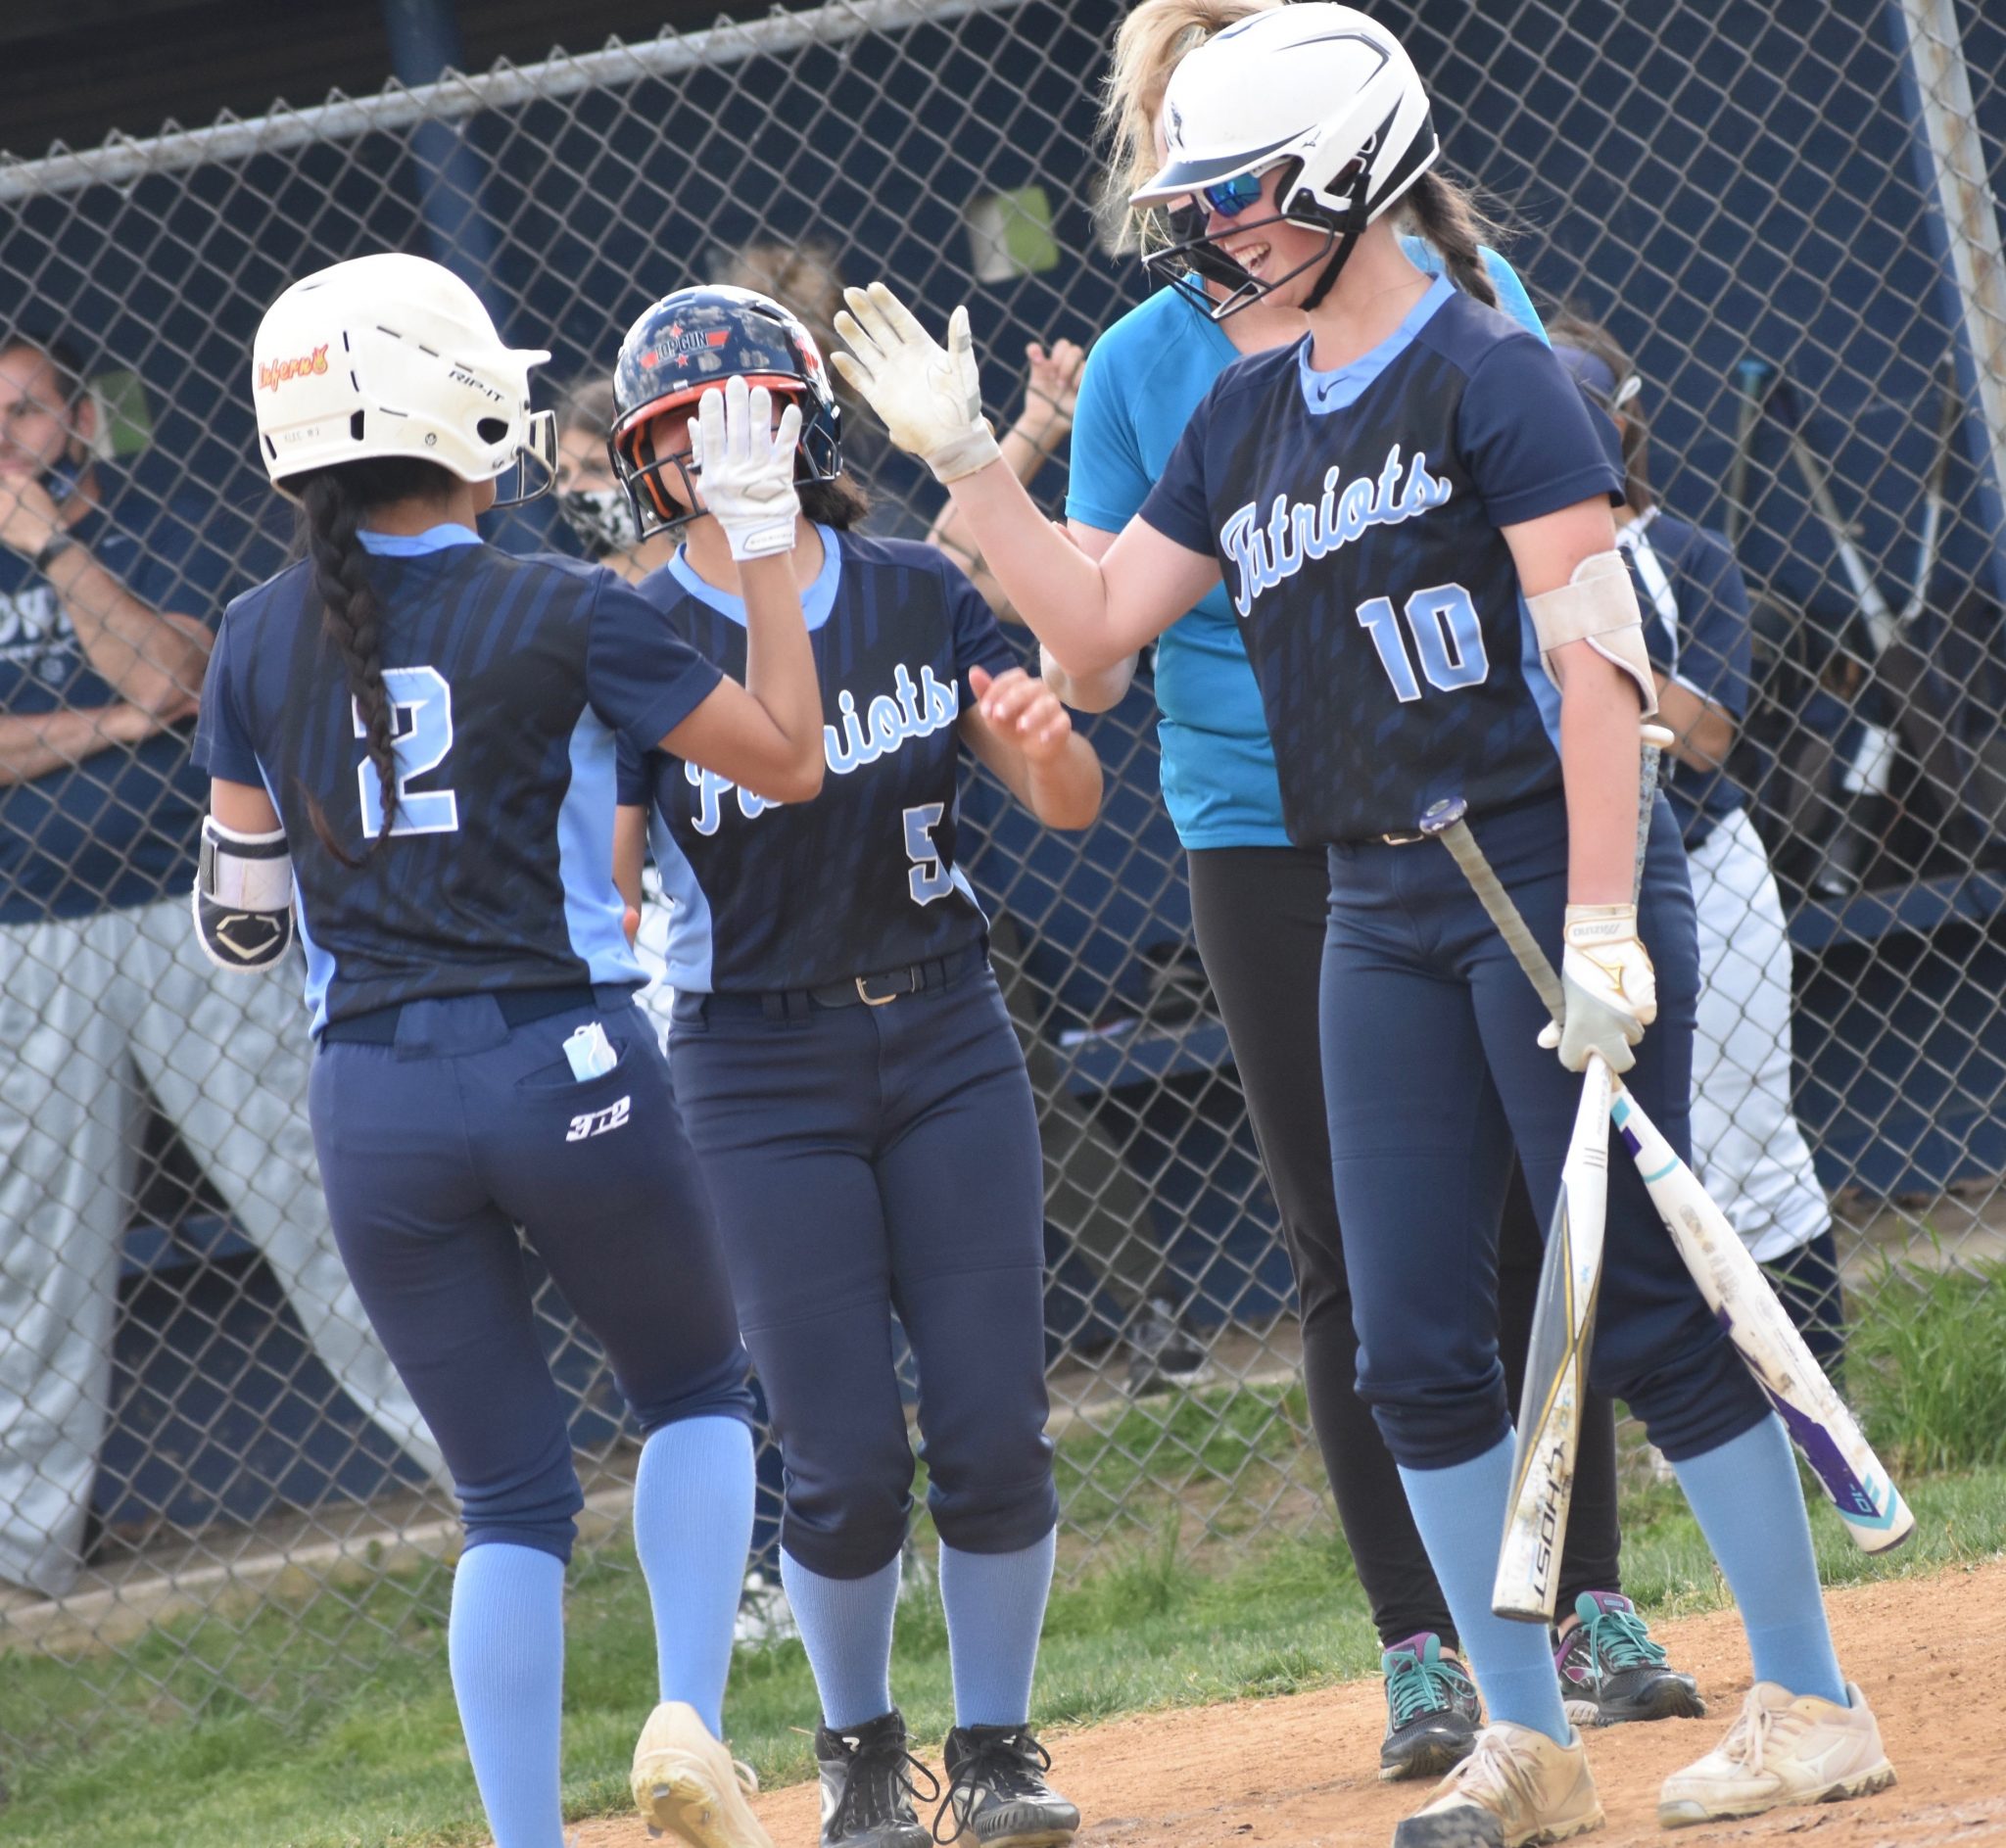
(1148, 46)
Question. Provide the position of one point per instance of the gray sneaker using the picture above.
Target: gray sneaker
(1432, 1711)
(1613, 1672)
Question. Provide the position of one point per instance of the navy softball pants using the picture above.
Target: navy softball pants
(433, 1149)
(867, 1160)
(1432, 1071)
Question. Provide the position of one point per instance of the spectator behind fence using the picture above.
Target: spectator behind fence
(106, 600)
(1746, 1146)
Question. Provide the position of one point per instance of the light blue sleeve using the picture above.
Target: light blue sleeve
(1512, 299)
(1108, 483)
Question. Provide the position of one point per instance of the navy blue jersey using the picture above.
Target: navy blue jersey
(1355, 516)
(511, 677)
(1696, 625)
(864, 878)
(117, 827)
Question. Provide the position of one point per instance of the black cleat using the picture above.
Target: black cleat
(1611, 1672)
(866, 1786)
(1432, 1711)
(998, 1794)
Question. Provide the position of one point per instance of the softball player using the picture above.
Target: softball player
(1746, 1146)
(1258, 904)
(854, 1089)
(411, 740)
(1409, 509)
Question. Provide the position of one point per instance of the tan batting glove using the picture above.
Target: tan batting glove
(1609, 986)
(928, 397)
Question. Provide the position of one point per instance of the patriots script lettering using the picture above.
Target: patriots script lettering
(1266, 552)
(919, 709)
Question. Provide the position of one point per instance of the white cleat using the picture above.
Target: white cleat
(1517, 1787)
(1785, 1748)
(688, 1786)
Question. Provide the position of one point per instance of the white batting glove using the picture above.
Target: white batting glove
(1609, 985)
(745, 467)
(928, 397)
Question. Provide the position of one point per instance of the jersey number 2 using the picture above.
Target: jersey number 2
(929, 879)
(1447, 638)
(421, 723)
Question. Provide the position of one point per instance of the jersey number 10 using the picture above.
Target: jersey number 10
(421, 725)
(1448, 640)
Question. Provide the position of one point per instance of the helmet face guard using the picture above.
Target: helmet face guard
(1199, 256)
(1354, 134)
(537, 445)
(682, 347)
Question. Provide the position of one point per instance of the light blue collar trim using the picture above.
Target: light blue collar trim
(817, 600)
(417, 544)
(1326, 391)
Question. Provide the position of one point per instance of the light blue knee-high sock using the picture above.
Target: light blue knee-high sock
(692, 1527)
(845, 1627)
(505, 1643)
(1751, 1509)
(996, 1605)
(1460, 1514)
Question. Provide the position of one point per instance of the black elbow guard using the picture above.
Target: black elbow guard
(243, 898)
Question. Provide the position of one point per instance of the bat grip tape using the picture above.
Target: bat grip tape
(1510, 922)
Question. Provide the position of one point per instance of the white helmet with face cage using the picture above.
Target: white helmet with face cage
(1323, 90)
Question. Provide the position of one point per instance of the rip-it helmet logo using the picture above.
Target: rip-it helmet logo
(1173, 133)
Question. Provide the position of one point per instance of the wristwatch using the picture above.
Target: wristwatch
(59, 543)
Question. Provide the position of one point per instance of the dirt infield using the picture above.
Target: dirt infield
(1297, 1773)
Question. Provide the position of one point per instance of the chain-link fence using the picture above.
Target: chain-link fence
(1785, 217)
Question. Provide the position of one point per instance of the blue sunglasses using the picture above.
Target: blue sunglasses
(1231, 196)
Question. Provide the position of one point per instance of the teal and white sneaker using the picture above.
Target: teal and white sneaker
(1613, 1672)
(1432, 1711)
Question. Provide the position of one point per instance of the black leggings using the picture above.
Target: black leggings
(1259, 917)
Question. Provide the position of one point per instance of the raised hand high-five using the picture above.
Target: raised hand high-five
(745, 467)
(928, 397)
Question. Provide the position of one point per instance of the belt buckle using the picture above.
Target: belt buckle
(879, 1001)
(1400, 839)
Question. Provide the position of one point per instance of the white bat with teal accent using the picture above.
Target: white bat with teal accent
(1733, 1285)
(1747, 1308)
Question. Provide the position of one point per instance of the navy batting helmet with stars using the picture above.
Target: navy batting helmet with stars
(696, 338)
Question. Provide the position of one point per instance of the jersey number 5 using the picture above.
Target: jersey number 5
(1448, 639)
(929, 879)
(421, 725)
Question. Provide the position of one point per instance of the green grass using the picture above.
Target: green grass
(329, 1724)
(1928, 1366)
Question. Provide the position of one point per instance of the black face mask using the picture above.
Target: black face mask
(600, 519)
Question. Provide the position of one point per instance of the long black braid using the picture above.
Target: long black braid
(351, 613)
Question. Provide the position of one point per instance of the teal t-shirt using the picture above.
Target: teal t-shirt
(1143, 380)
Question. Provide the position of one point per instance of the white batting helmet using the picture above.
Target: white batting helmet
(1318, 84)
(393, 356)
